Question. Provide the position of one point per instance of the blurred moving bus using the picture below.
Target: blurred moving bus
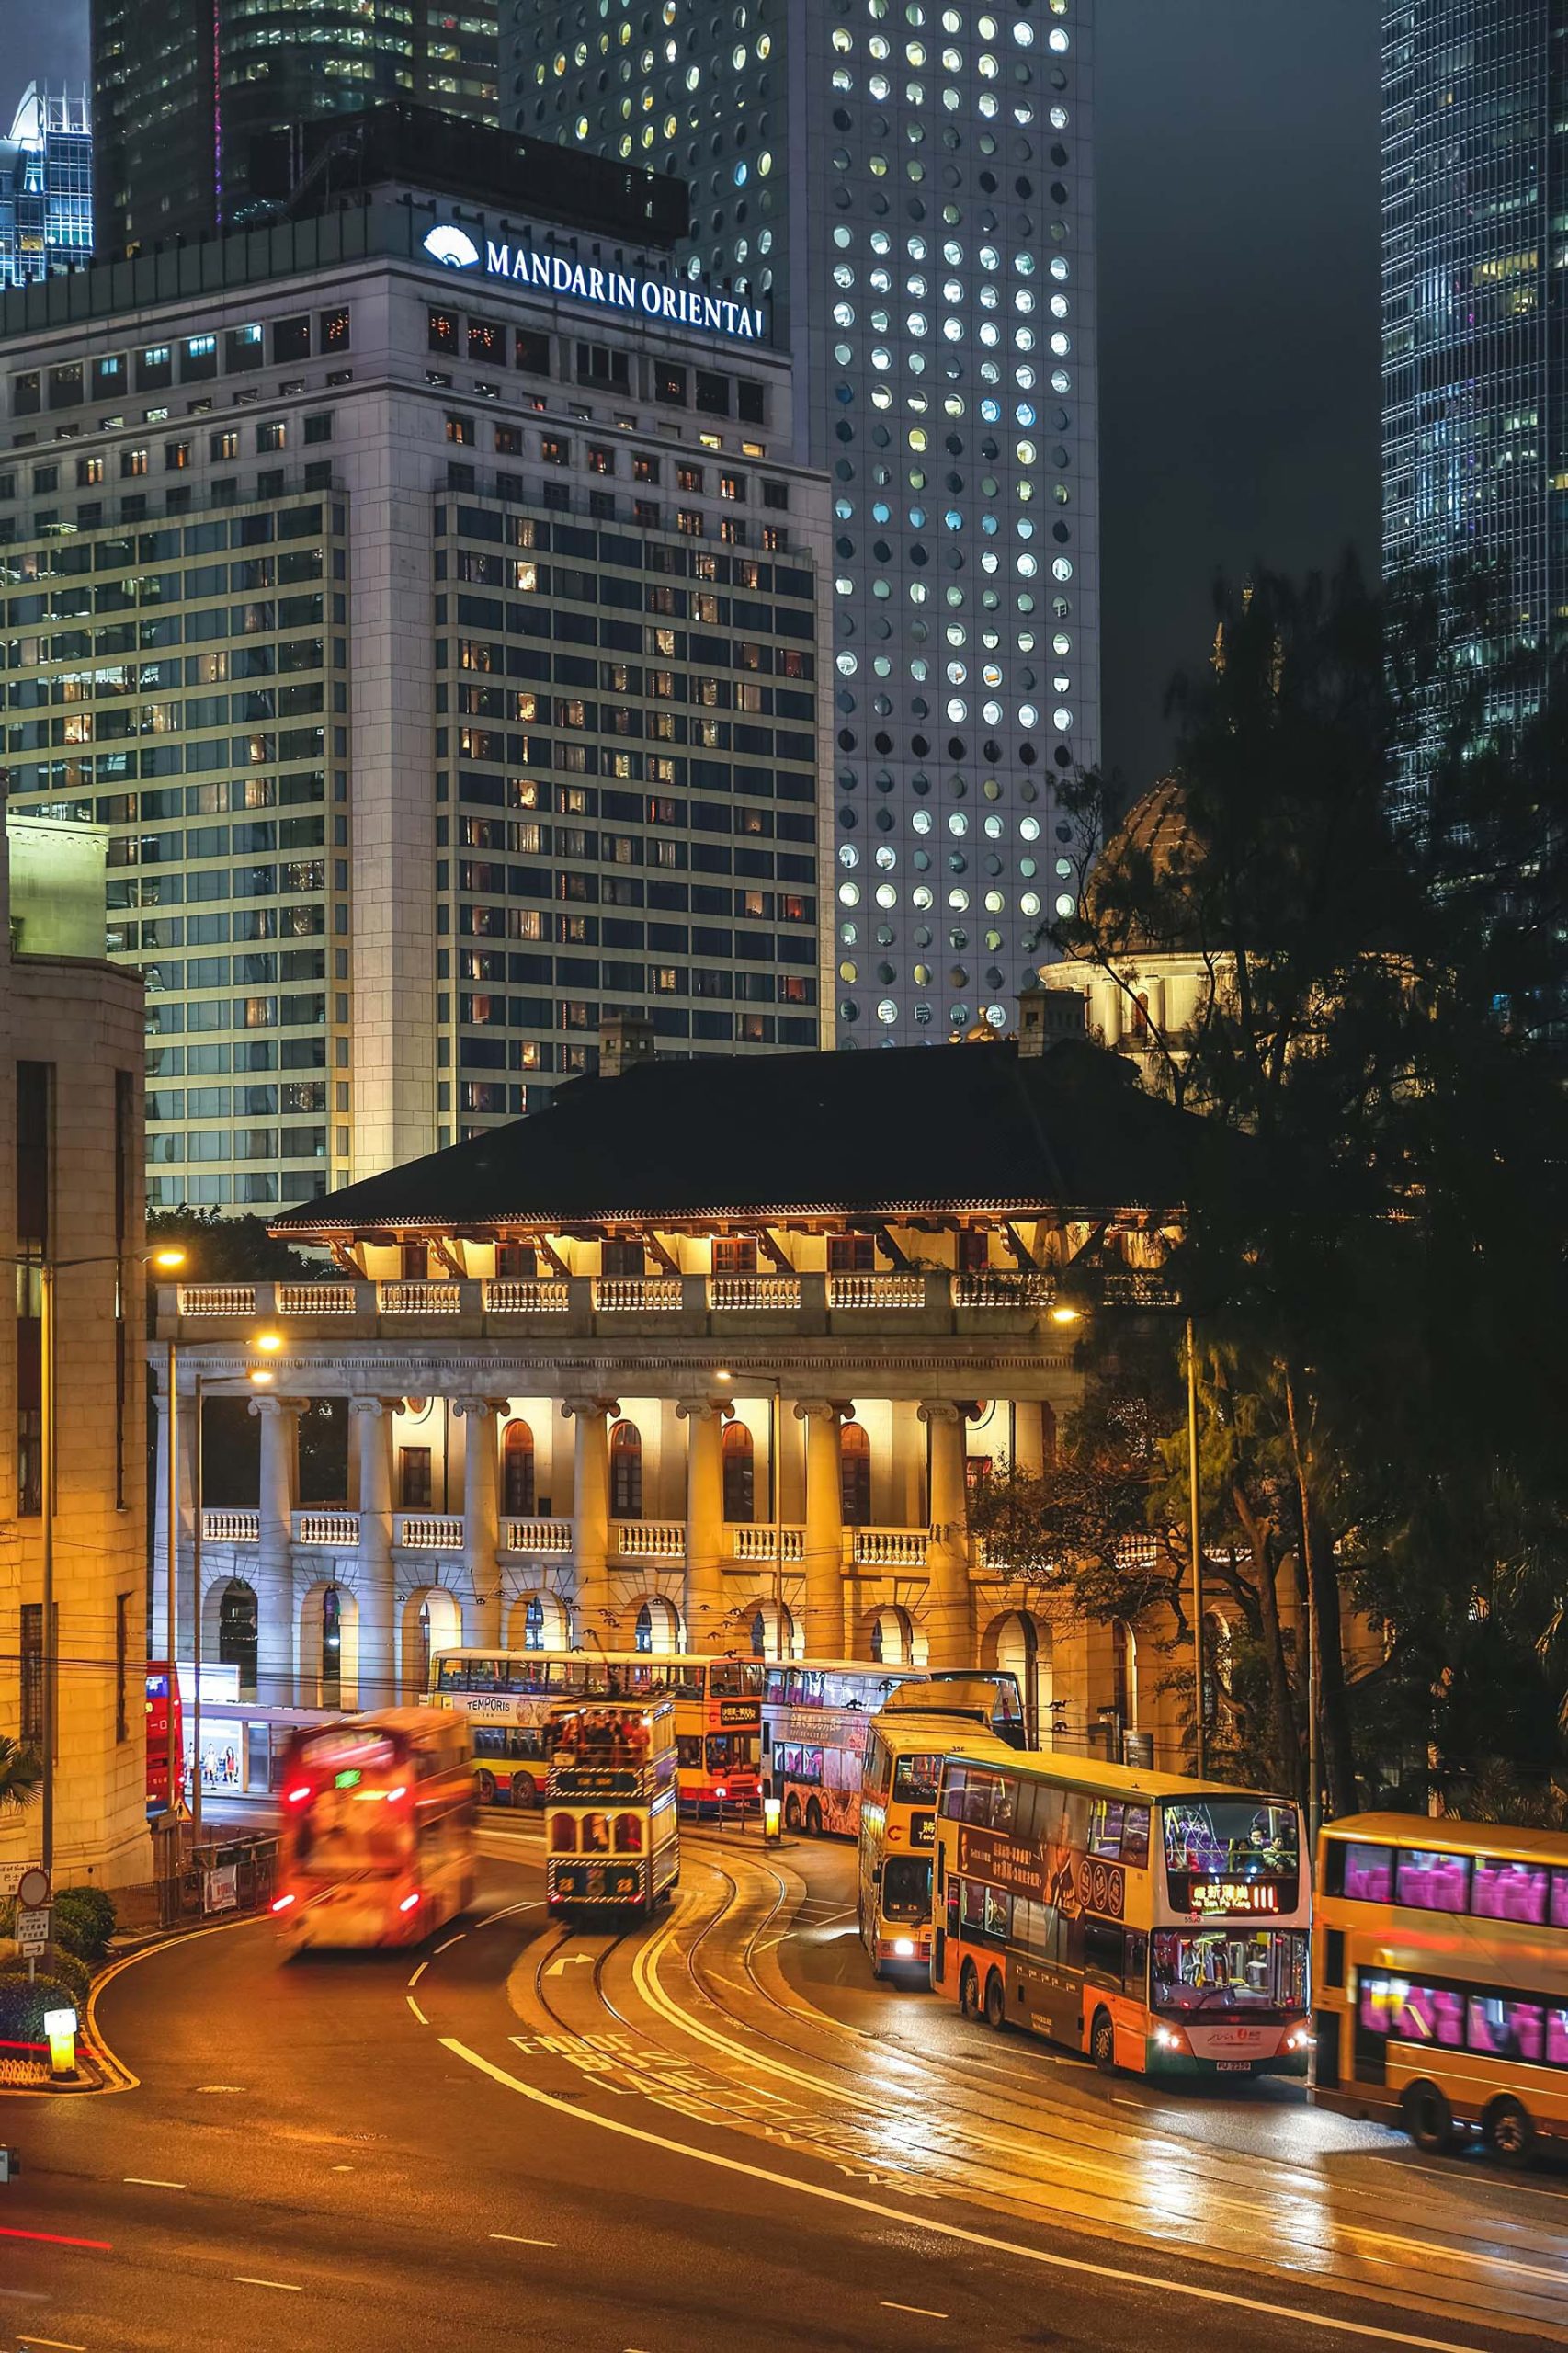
(1440, 1978)
(814, 1717)
(612, 1840)
(507, 1695)
(1155, 1922)
(377, 1829)
(920, 1725)
(162, 1687)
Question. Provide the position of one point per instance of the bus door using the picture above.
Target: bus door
(1370, 2041)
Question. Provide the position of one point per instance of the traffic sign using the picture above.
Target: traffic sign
(11, 1876)
(32, 1887)
(32, 1932)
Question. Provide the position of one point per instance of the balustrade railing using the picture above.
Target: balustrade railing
(420, 1299)
(888, 1547)
(728, 1294)
(336, 1528)
(748, 1543)
(221, 1526)
(508, 1295)
(649, 1540)
(1004, 1288)
(537, 1535)
(217, 1298)
(314, 1299)
(636, 1294)
(876, 1290)
(424, 1531)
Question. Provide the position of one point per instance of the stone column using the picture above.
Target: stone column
(1029, 1442)
(948, 1629)
(823, 1545)
(482, 1521)
(277, 1631)
(704, 1522)
(374, 1584)
(590, 1519)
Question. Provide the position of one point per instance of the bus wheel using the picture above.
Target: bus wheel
(995, 2001)
(487, 1789)
(813, 1818)
(968, 1991)
(525, 1797)
(1510, 2134)
(1429, 2119)
(792, 1813)
(1102, 2044)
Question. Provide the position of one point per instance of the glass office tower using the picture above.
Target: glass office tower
(46, 186)
(909, 188)
(183, 91)
(1475, 241)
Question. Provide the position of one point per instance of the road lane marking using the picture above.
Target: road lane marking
(56, 2343)
(285, 2287)
(151, 2181)
(419, 1972)
(512, 2239)
(906, 2220)
(450, 1943)
(415, 2008)
(925, 2311)
(129, 2082)
(567, 1961)
(506, 1911)
(54, 2238)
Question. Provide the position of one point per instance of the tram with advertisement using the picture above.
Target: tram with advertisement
(507, 1696)
(612, 1835)
(377, 1829)
(162, 1694)
(814, 1718)
(1440, 1979)
(1159, 1924)
(920, 1725)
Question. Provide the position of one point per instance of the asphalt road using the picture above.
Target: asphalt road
(711, 2133)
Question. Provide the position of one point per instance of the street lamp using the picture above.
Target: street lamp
(776, 1484)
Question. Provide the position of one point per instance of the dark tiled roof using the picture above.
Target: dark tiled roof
(880, 1133)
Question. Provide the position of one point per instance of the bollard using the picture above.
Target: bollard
(61, 2028)
(772, 1809)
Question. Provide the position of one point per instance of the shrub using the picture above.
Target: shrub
(22, 2006)
(69, 1971)
(69, 1936)
(93, 1913)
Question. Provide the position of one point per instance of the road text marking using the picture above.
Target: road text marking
(415, 2008)
(150, 2181)
(287, 2287)
(1051, 2261)
(925, 2311)
(512, 2240)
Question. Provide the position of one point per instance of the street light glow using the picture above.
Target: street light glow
(170, 1259)
(267, 1343)
(261, 1375)
(1064, 1313)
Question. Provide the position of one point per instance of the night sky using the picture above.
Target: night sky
(1238, 202)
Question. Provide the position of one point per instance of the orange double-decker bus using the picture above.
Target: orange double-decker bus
(377, 1829)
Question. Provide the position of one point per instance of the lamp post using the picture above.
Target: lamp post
(776, 1486)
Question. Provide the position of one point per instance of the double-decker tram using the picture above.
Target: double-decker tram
(507, 1695)
(1440, 1978)
(814, 1718)
(1156, 1922)
(920, 1725)
(377, 1829)
(612, 1838)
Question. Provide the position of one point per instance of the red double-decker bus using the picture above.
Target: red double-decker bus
(163, 1692)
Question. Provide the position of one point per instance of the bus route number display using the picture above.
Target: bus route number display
(1231, 1896)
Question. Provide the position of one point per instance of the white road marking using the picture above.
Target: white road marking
(151, 2181)
(450, 1943)
(56, 2343)
(954, 2231)
(343, 2168)
(419, 1972)
(507, 1909)
(415, 2008)
(512, 2239)
(220, 2087)
(287, 2286)
(925, 2311)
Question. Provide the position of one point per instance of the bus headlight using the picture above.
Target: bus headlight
(904, 1949)
(1299, 2038)
(1167, 2039)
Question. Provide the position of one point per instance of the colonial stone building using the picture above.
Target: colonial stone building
(604, 1367)
(70, 1196)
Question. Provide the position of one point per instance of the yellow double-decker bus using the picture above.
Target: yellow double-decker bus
(1153, 1921)
(919, 1726)
(1440, 1979)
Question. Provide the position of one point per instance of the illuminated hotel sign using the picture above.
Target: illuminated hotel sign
(604, 290)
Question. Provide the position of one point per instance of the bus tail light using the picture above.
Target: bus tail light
(297, 1796)
(409, 1901)
(281, 1903)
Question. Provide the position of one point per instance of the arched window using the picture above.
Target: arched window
(644, 1635)
(237, 1633)
(739, 1480)
(331, 1649)
(772, 1634)
(626, 1471)
(518, 1471)
(855, 1474)
(533, 1624)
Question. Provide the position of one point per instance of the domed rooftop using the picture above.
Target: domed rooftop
(1153, 843)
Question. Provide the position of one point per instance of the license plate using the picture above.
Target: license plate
(1234, 2066)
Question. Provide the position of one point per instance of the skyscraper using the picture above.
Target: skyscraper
(1475, 237)
(46, 186)
(909, 188)
(191, 98)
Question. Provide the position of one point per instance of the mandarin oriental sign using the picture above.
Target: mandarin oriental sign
(606, 290)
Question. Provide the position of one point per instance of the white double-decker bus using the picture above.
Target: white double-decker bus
(814, 1716)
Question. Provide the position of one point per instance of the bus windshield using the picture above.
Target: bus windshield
(1225, 1970)
(906, 1887)
(916, 1779)
(1227, 1855)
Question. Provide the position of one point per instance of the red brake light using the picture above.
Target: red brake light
(281, 1903)
(409, 1901)
(297, 1797)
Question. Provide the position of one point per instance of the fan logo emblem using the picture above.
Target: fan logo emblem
(454, 247)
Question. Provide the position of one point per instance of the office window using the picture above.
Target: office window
(460, 430)
(291, 339)
(199, 358)
(488, 341)
(318, 425)
(66, 385)
(154, 367)
(26, 397)
(531, 351)
(333, 329)
(242, 349)
(273, 435)
(712, 393)
(597, 364)
(669, 383)
(415, 1490)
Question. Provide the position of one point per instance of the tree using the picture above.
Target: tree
(21, 1774)
(231, 1249)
